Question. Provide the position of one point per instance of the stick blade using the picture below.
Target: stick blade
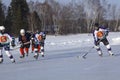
(83, 57)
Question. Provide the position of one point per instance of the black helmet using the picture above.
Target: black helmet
(96, 24)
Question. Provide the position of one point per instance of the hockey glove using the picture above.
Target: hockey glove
(13, 44)
(22, 44)
(97, 42)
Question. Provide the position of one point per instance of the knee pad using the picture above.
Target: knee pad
(36, 50)
(108, 47)
(8, 53)
(42, 48)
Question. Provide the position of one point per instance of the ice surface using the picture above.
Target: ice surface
(61, 62)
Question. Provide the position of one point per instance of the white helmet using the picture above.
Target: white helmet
(22, 31)
(2, 28)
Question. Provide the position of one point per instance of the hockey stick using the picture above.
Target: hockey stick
(14, 48)
(84, 56)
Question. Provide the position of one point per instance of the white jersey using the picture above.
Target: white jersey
(5, 38)
(96, 36)
(38, 38)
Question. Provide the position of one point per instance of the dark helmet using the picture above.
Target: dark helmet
(96, 24)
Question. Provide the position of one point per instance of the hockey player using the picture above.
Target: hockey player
(32, 42)
(5, 41)
(42, 42)
(100, 35)
(39, 44)
(24, 40)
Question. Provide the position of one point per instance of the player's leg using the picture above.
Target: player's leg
(1, 55)
(97, 46)
(22, 54)
(106, 43)
(7, 51)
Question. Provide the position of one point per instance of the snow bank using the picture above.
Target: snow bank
(79, 40)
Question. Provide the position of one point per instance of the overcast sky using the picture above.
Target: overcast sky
(117, 2)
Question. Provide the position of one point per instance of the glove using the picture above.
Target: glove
(44, 37)
(96, 42)
(33, 41)
(13, 45)
(22, 44)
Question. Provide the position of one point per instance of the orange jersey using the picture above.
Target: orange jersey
(5, 38)
(100, 34)
(38, 37)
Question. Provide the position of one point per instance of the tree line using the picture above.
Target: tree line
(77, 16)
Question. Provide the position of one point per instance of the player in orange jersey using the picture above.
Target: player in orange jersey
(100, 35)
(5, 41)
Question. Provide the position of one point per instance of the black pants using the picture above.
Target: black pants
(104, 41)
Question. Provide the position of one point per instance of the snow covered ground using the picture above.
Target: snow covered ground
(61, 62)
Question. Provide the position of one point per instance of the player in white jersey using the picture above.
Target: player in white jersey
(38, 44)
(100, 35)
(5, 41)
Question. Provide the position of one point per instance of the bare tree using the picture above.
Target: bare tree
(94, 12)
(75, 17)
(34, 22)
(117, 20)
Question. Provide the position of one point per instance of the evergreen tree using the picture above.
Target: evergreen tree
(8, 20)
(2, 16)
(19, 12)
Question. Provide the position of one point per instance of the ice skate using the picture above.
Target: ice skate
(22, 56)
(36, 56)
(110, 53)
(100, 53)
